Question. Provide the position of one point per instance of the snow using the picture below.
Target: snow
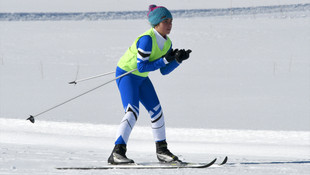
(245, 91)
(124, 5)
(281, 10)
(39, 148)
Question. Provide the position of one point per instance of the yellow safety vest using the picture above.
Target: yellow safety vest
(128, 61)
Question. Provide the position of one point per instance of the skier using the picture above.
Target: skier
(150, 51)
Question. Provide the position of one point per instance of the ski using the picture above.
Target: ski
(172, 165)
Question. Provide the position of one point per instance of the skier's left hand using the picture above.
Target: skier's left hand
(182, 55)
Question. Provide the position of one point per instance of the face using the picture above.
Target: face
(164, 27)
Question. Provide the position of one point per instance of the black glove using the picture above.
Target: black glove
(182, 55)
(170, 56)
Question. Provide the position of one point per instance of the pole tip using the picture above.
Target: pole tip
(31, 119)
(72, 82)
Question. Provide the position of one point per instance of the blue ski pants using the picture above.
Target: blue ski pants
(134, 89)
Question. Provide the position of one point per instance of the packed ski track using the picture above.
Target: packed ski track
(252, 104)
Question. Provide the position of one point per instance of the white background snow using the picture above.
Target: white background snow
(245, 91)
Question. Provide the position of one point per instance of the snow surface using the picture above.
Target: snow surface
(245, 91)
(39, 148)
(125, 5)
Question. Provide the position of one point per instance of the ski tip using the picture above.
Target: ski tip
(209, 164)
(31, 119)
(214, 161)
(224, 161)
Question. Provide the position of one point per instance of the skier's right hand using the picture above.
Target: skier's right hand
(170, 56)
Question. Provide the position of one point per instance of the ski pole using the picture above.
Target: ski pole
(32, 120)
(89, 78)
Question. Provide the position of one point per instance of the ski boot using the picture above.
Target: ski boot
(118, 155)
(163, 154)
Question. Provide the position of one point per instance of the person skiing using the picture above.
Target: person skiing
(150, 51)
